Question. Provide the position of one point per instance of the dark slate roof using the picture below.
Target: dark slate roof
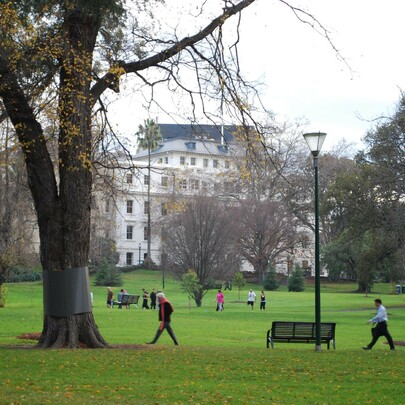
(187, 131)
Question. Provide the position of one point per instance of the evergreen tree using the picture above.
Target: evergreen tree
(296, 281)
(271, 282)
(108, 274)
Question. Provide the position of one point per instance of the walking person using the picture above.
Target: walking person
(152, 299)
(220, 300)
(145, 297)
(251, 298)
(165, 310)
(110, 297)
(381, 328)
(262, 301)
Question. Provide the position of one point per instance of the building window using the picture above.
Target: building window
(107, 206)
(129, 258)
(167, 160)
(227, 164)
(194, 184)
(130, 230)
(215, 163)
(190, 145)
(129, 178)
(193, 161)
(205, 163)
(145, 233)
(130, 206)
(146, 207)
(183, 184)
(165, 181)
(163, 209)
(146, 180)
(182, 160)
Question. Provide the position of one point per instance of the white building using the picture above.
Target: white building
(188, 160)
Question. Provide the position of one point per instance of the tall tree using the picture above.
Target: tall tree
(73, 50)
(265, 231)
(368, 201)
(149, 137)
(200, 238)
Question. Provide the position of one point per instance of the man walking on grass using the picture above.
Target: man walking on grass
(380, 329)
(165, 310)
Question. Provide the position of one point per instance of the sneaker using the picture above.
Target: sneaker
(366, 348)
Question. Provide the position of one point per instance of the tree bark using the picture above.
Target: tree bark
(63, 208)
(79, 330)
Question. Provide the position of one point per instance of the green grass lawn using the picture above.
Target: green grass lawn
(222, 357)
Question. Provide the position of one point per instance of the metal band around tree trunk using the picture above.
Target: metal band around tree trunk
(66, 292)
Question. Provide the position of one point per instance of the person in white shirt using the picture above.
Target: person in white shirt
(381, 329)
(251, 298)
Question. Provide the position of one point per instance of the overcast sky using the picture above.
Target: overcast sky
(305, 78)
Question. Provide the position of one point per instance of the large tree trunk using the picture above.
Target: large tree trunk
(71, 332)
(71, 323)
(63, 207)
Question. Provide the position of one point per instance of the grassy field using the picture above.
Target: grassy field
(222, 357)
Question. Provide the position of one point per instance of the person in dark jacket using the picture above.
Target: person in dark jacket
(165, 311)
(145, 297)
(152, 299)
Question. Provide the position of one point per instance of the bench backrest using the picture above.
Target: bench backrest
(133, 299)
(305, 329)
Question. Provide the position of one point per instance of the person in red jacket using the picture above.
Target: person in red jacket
(165, 310)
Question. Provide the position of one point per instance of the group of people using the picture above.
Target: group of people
(145, 298)
(252, 299)
(220, 300)
(380, 320)
(164, 306)
(110, 297)
(152, 296)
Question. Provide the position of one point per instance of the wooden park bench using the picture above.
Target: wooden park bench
(300, 332)
(127, 300)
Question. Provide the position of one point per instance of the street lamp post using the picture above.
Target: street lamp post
(139, 257)
(315, 141)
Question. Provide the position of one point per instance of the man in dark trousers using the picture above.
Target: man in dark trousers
(381, 328)
(152, 299)
(165, 310)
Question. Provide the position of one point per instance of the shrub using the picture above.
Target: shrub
(271, 282)
(3, 295)
(20, 274)
(108, 274)
(296, 281)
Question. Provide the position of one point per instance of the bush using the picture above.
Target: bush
(19, 275)
(296, 281)
(3, 295)
(271, 282)
(108, 275)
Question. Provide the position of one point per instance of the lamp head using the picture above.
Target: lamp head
(315, 141)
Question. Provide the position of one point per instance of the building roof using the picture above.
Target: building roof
(187, 145)
(187, 131)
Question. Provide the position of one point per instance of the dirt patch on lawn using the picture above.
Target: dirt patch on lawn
(34, 336)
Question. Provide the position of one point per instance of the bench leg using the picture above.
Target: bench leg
(269, 340)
